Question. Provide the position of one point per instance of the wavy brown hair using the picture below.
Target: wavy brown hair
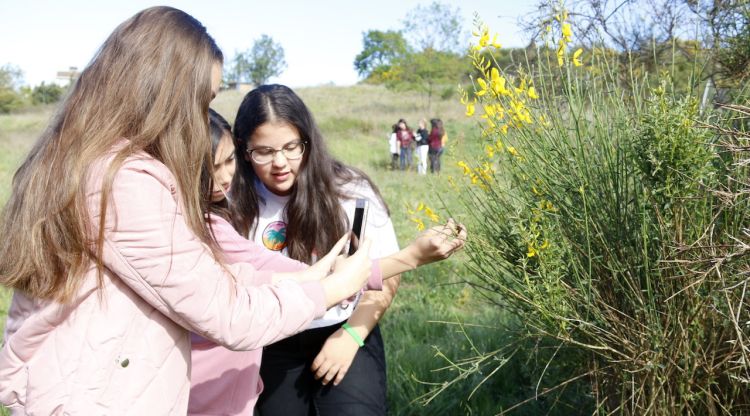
(149, 83)
(314, 217)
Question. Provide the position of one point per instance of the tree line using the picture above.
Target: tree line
(701, 43)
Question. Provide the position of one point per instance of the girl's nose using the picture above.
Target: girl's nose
(279, 159)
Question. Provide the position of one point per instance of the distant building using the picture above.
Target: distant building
(71, 75)
(243, 87)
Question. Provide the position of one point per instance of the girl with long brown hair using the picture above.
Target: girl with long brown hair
(105, 243)
(291, 195)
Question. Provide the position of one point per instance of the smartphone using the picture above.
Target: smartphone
(358, 225)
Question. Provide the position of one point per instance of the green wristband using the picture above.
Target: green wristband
(354, 334)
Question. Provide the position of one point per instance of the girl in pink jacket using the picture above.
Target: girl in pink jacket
(105, 243)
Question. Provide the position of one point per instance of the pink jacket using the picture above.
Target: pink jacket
(226, 382)
(125, 348)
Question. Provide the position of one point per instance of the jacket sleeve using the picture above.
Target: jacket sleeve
(148, 244)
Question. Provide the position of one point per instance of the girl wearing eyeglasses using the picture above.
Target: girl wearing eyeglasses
(225, 382)
(291, 195)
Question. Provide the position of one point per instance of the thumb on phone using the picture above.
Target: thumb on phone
(364, 248)
(326, 263)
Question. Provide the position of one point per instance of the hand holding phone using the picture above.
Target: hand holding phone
(358, 224)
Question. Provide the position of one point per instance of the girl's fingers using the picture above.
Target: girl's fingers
(340, 376)
(329, 376)
(330, 257)
(322, 370)
(364, 248)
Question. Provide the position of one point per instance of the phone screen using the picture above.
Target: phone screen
(358, 225)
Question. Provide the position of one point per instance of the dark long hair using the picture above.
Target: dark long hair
(437, 127)
(314, 217)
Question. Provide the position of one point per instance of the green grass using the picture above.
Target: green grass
(356, 122)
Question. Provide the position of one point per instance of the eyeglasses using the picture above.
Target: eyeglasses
(292, 151)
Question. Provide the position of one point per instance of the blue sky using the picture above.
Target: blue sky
(320, 38)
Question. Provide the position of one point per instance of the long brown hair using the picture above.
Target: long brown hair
(218, 127)
(149, 83)
(314, 217)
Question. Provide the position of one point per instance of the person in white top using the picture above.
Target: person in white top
(291, 195)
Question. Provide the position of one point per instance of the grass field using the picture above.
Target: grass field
(356, 122)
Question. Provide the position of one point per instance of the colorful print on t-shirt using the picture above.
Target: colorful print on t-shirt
(274, 236)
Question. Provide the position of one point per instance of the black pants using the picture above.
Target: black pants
(290, 388)
(435, 159)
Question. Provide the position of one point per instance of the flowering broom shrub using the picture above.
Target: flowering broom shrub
(614, 224)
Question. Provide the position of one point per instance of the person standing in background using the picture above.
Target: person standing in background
(437, 140)
(394, 147)
(423, 141)
(406, 143)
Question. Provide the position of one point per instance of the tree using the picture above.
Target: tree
(428, 72)
(46, 93)
(380, 50)
(436, 27)
(11, 77)
(426, 56)
(651, 28)
(259, 64)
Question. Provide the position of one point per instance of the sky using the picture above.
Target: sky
(320, 37)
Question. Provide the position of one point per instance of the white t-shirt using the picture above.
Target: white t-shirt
(393, 145)
(270, 232)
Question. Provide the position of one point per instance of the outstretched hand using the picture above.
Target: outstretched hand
(439, 242)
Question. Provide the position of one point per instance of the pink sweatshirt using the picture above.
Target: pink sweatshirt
(124, 347)
(226, 382)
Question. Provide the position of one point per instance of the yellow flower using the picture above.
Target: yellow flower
(421, 206)
(431, 215)
(512, 150)
(490, 150)
(484, 38)
(531, 251)
(462, 164)
(566, 32)
(562, 16)
(531, 92)
(521, 87)
(419, 222)
(469, 109)
(577, 57)
(495, 43)
(482, 87)
(544, 245)
(489, 111)
(561, 54)
(499, 146)
(498, 83)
